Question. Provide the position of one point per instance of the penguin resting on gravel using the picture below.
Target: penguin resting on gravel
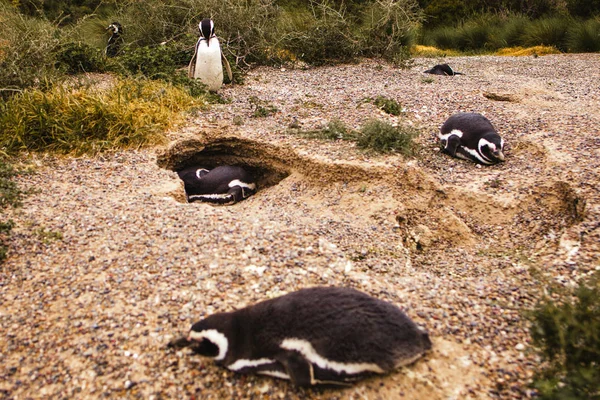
(442, 69)
(471, 136)
(320, 335)
(206, 61)
(222, 185)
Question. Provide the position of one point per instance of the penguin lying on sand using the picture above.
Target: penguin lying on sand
(115, 41)
(223, 185)
(442, 69)
(206, 61)
(320, 335)
(471, 136)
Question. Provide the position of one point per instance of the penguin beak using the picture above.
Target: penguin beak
(499, 155)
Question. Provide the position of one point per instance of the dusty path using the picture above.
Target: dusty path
(106, 266)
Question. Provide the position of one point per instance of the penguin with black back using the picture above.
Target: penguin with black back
(115, 41)
(471, 136)
(442, 69)
(225, 184)
(206, 61)
(319, 335)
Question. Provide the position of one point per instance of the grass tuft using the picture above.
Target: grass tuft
(84, 120)
(383, 137)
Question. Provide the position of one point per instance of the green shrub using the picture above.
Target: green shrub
(384, 138)
(387, 105)
(584, 37)
(389, 27)
(320, 35)
(567, 335)
(152, 62)
(131, 113)
(77, 57)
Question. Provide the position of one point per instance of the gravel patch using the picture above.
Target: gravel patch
(106, 267)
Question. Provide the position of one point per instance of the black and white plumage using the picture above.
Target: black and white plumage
(115, 41)
(472, 136)
(320, 335)
(222, 185)
(442, 69)
(206, 61)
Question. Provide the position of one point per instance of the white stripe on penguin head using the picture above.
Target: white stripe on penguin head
(215, 337)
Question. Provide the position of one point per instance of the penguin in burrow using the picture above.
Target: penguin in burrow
(224, 184)
(471, 136)
(206, 62)
(319, 335)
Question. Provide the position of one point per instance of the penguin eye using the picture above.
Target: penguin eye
(206, 348)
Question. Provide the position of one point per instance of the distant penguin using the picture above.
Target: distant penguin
(442, 69)
(471, 136)
(320, 335)
(222, 185)
(115, 41)
(206, 62)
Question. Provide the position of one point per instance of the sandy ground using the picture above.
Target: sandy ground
(107, 263)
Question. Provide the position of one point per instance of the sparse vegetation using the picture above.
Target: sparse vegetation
(383, 137)
(566, 333)
(10, 196)
(335, 130)
(261, 108)
(376, 135)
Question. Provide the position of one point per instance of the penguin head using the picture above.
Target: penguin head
(207, 29)
(115, 28)
(491, 147)
(210, 336)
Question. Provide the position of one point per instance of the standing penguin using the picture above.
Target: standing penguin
(442, 69)
(320, 335)
(223, 185)
(471, 136)
(115, 41)
(206, 61)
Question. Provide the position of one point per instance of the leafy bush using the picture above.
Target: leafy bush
(77, 57)
(384, 138)
(567, 336)
(131, 113)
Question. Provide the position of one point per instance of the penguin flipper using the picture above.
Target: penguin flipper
(452, 144)
(298, 369)
(227, 67)
(192, 66)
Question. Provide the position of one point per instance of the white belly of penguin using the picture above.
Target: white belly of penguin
(208, 64)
